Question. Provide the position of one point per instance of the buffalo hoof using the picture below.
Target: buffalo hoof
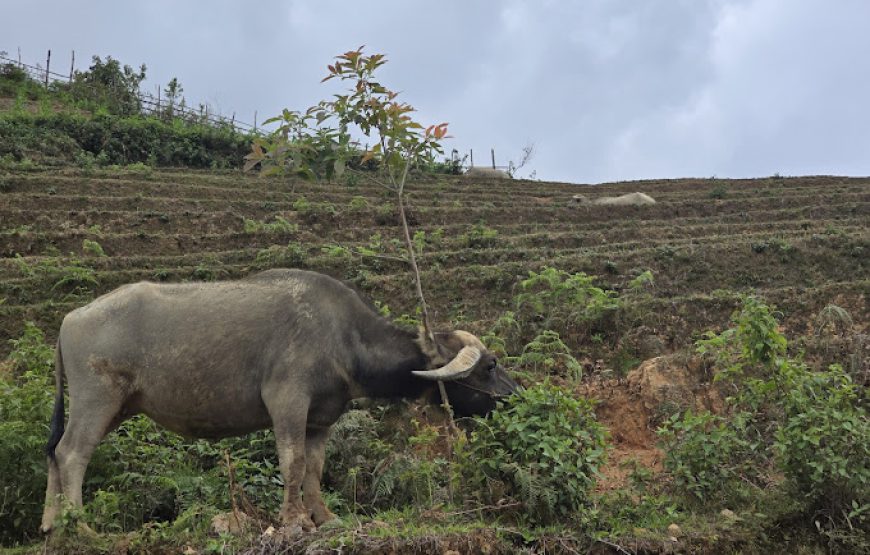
(296, 524)
(81, 529)
(322, 516)
(84, 530)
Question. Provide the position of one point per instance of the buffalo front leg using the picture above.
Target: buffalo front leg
(291, 461)
(315, 452)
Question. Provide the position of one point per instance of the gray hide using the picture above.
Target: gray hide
(285, 349)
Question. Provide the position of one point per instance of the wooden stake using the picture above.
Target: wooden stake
(47, 65)
(492, 151)
(72, 66)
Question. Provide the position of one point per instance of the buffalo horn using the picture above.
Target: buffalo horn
(458, 368)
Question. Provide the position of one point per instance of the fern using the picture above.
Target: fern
(557, 299)
(548, 353)
(835, 318)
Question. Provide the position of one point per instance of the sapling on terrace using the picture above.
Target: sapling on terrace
(319, 143)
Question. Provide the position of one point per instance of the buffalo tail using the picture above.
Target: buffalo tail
(56, 430)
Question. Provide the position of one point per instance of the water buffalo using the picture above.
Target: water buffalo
(283, 348)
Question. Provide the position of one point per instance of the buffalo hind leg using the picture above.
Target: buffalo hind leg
(315, 451)
(52, 496)
(72, 455)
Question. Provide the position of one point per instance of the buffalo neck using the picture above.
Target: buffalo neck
(386, 356)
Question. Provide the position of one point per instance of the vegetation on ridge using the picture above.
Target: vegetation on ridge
(764, 446)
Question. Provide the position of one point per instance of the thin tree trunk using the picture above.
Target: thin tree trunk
(412, 258)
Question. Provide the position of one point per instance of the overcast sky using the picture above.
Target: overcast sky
(605, 89)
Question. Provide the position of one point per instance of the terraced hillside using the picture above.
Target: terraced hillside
(664, 274)
(801, 243)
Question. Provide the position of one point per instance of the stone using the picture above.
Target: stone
(230, 523)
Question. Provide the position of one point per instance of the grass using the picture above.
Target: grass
(176, 225)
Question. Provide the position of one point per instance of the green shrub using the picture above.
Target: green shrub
(503, 333)
(713, 458)
(823, 445)
(92, 247)
(557, 300)
(353, 451)
(26, 401)
(810, 422)
(480, 237)
(74, 278)
(291, 256)
(643, 281)
(358, 203)
(541, 447)
(548, 354)
(718, 192)
(313, 211)
(278, 225)
(30, 352)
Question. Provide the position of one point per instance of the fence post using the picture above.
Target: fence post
(72, 66)
(492, 151)
(255, 121)
(471, 154)
(47, 65)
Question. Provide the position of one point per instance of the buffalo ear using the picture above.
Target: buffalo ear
(460, 367)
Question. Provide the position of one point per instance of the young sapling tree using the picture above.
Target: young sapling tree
(324, 142)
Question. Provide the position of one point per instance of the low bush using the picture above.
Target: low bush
(293, 255)
(480, 237)
(569, 303)
(548, 355)
(714, 458)
(26, 401)
(542, 448)
(823, 445)
(808, 424)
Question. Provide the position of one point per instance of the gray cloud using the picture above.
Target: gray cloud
(605, 89)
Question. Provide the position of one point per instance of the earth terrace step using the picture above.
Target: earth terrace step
(248, 188)
(170, 250)
(144, 242)
(115, 221)
(858, 203)
(675, 265)
(688, 315)
(231, 179)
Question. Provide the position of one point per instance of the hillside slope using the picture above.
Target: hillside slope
(678, 269)
(799, 242)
